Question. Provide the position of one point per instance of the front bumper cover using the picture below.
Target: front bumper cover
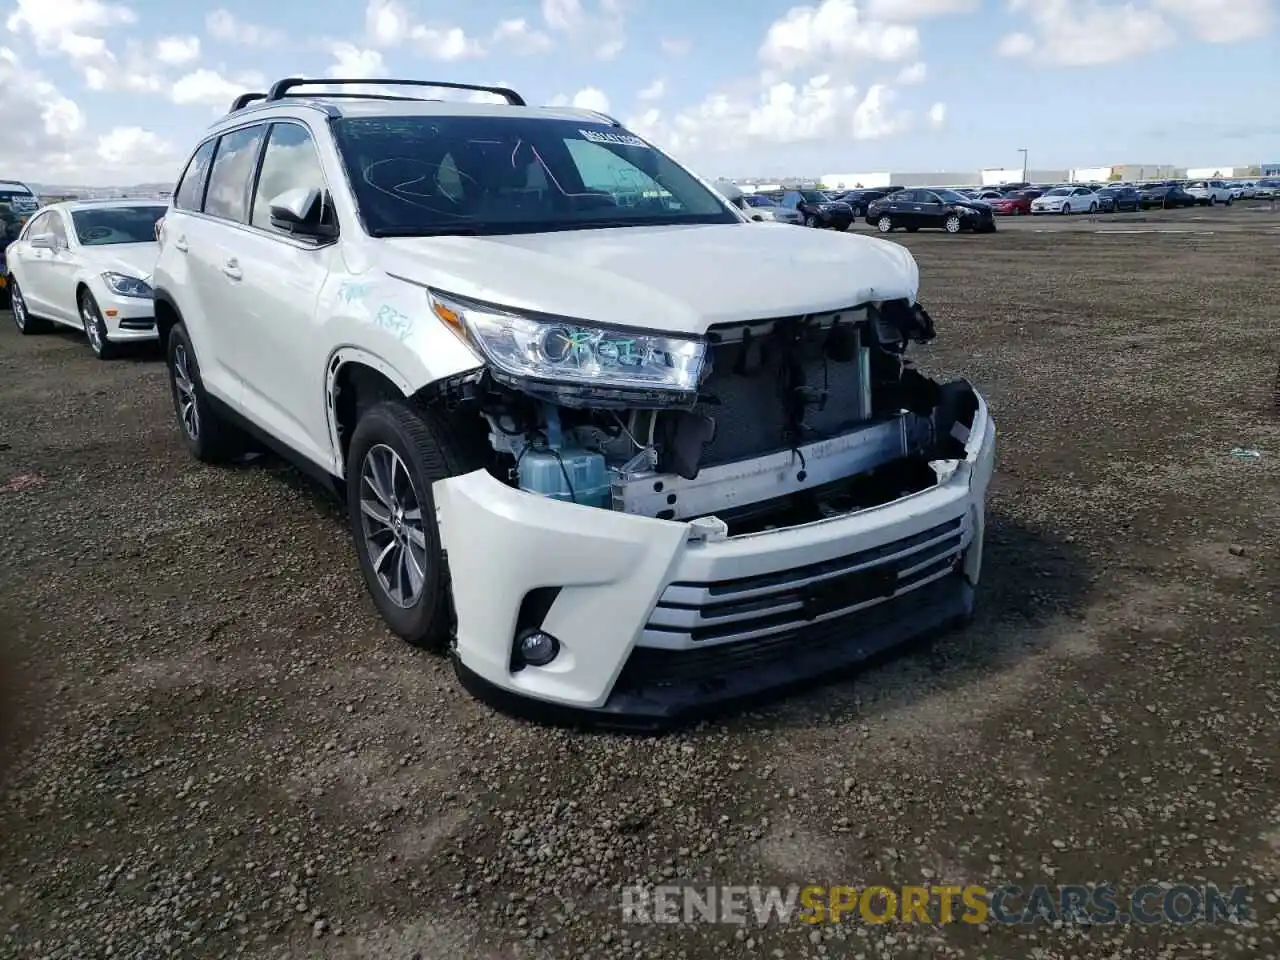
(656, 628)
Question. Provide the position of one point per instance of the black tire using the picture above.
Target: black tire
(432, 448)
(95, 328)
(811, 221)
(22, 319)
(212, 439)
(1066, 209)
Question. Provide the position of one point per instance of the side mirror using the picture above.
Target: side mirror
(301, 211)
(43, 241)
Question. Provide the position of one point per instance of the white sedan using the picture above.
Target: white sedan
(1066, 200)
(88, 264)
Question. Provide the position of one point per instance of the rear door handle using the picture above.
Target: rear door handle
(180, 243)
(232, 268)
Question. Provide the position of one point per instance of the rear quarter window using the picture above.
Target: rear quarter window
(190, 192)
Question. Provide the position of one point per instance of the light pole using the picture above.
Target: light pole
(1023, 151)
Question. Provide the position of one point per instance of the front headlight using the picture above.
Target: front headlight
(123, 285)
(573, 359)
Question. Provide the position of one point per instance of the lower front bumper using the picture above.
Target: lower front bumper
(659, 689)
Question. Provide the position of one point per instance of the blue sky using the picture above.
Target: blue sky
(103, 92)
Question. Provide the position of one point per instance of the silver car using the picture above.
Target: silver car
(762, 208)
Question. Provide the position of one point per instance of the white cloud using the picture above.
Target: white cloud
(209, 87)
(132, 146)
(601, 32)
(517, 36)
(653, 91)
(1081, 33)
(355, 62)
(68, 27)
(676, 46)
(818, 111)
(386, 23)
(223, 25)
(448, 43)
(47, 138)
(914, 74)
(588, 98)
(177, 51)
(1222, 21)
(937, 115)
(905, 11)
(833, 34)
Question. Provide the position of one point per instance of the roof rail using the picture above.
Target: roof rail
(242, 101)
(281, 88)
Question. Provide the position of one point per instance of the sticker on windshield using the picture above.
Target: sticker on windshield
(620, 139)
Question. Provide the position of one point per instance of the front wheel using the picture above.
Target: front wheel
(1066, 209)
(952, 224)
(1093, 208)
(1213, 201)
(811, 221)
(884, 224)
(397, 452)
(95, 327)
(1229, 199)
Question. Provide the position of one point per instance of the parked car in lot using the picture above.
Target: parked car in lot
(17, 203)
(1165, 195)
(1118, 199)
(859, 200)
(987, 195)
(1016, 203)
(1267, 189)
(87, 264)
(1066, 200)
(1209, 193)
(931, 207)
(817, 208)
(575, 455)
(1242, 189)
(762, 208)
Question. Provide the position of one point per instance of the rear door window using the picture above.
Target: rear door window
(232, 173)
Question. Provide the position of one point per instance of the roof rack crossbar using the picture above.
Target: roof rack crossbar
(282, 87)
(242, 101)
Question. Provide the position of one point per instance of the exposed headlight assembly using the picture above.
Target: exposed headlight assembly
(577, 363)
(123, 285)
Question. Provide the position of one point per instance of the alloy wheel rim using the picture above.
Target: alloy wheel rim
(91, 329)
(19, 309)
(884, 224)
(391, 520)
(953, 225)
(185, 387)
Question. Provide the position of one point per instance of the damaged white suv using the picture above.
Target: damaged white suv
(623, 453)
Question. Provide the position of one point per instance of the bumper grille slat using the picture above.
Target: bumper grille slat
(753, 608)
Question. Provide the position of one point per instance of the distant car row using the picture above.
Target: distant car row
(954, 209)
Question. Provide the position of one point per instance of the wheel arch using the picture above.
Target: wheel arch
(168, 316)
(355, 380)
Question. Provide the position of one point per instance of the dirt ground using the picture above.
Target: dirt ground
(214, 749)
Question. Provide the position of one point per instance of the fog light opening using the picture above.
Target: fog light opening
(536, 648)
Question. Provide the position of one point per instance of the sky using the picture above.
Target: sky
(97, 93)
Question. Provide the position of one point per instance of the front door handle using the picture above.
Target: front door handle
(180, 244)
(232, 268)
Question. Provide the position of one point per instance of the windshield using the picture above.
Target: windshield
(815, 196)
(1197, 183)
(484, 175)
(97, 228)
(1059, 192)
(950, 196)
(759, 201)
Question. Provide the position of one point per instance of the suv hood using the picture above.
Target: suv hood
(668, 279)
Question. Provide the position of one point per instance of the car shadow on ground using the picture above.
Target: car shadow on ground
(1033, 582)
(136, 352)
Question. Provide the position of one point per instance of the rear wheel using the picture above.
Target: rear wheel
(1213, 201)
(884, 224)
(811, 221)
(209, 438)
(22, 318)
(397, 452)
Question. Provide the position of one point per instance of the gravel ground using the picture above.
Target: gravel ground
(210, 746)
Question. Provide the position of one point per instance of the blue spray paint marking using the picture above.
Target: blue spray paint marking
(352, 292)
(393, 321)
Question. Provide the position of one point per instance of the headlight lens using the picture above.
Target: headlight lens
(563, 352)
(126, 286)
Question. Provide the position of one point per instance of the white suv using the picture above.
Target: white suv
(1210, 192)
(619, 450)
